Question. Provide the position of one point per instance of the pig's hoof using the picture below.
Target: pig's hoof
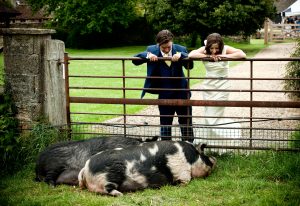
(116, 193)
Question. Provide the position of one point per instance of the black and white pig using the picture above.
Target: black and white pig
(62, 162)
(150, 164)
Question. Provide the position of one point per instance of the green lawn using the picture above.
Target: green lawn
(266, 179)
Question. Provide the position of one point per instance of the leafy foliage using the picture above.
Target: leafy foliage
(184, 18)
(18, 149)
(293, 71)
(8, 131)
(229, 17)
(89, 15)
(295, 136)
(37, 139)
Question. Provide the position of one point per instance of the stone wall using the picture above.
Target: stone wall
(32, 68)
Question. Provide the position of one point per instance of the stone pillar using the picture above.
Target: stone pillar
(27, 73)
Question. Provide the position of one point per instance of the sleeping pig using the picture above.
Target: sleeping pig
(62, 162)
(150, 164)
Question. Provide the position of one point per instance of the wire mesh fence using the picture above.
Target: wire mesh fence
(233, 139)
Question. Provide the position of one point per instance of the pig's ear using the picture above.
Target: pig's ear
(203, 146)
(154, 139)
(200, 147)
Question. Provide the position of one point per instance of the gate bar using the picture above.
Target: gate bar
(185, 102)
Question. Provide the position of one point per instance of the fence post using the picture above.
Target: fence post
(266, 29)
(124, 96)
(54, 100)
(33, 74)
(67, 85)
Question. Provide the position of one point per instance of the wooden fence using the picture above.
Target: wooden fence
(279, 32)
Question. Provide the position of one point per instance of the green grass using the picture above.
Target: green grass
(265, 178)
(250, 49)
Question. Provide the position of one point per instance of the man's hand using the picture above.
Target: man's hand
(152, 57)
(176, 57)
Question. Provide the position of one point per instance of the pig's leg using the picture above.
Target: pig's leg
(68, 177)
(51, 178)
(111, 188)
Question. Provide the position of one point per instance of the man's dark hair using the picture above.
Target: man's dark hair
(164, 36)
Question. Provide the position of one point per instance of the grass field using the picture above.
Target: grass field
(266, 178)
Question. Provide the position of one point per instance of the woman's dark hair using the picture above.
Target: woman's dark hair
(164, 36)
(214, 38)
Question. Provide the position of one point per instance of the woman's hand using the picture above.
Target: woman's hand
(215, 57)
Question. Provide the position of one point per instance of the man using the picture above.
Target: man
(164, 87)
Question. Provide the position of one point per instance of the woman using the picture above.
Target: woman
(215, 49)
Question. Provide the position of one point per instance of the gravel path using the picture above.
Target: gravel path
(274, 69)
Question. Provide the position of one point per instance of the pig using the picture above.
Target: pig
(62, 162)
(153, 164)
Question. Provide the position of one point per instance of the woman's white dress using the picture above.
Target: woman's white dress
(219, 70)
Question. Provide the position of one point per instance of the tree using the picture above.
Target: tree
(201, 17)
(88, 16)
(183, 17)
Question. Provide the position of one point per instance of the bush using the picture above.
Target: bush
(37, 139)
(17, 150)
(119, 37)
(295, 136)
(8, 132)
(293, 71)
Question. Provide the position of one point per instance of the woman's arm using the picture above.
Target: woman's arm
(198, 53)
(233, 53)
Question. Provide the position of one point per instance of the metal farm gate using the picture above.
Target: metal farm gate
(267, 119)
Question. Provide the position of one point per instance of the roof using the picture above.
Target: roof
(27, 13)
(7, 11)
(293, 10)
(283, 4)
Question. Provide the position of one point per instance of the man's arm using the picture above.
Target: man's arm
(150, 54)
(143, 56)
(187, 64)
